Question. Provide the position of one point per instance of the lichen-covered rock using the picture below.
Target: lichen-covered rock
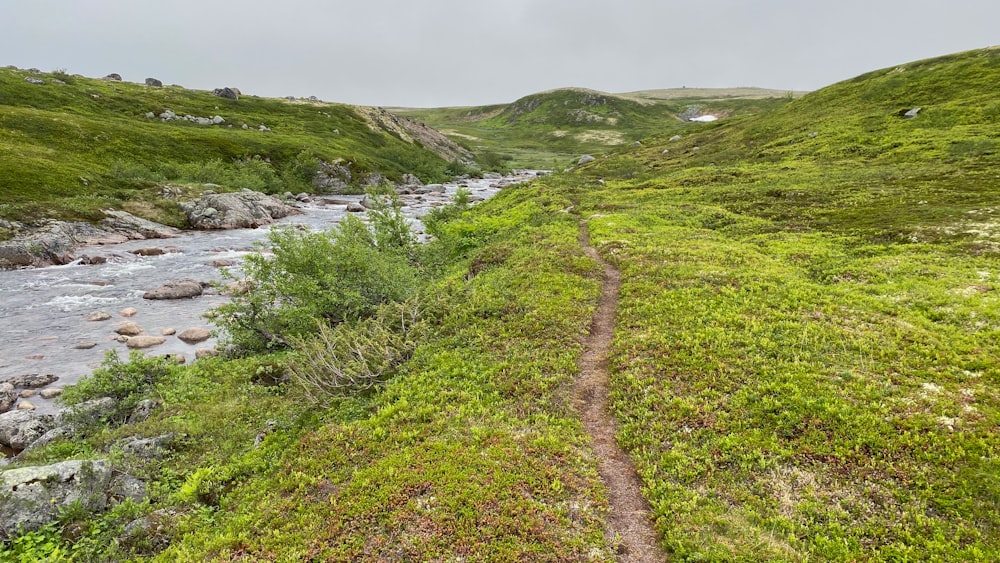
(246, 209)
(8, 396)
(18, 429)
(31, 497)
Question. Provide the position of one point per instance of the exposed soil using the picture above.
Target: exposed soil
(629, 526)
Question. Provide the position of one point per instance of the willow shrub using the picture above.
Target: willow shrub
(330, 277)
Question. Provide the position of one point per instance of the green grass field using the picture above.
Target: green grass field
(804, 367)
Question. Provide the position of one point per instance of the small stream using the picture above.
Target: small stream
(43, 326)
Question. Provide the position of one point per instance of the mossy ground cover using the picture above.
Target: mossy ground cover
(73, 148)
(804, 367)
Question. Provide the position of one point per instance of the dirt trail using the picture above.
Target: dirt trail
(629, 524)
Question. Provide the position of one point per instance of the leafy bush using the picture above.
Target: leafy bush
(127, 382)
(353, 357)
(342, 274)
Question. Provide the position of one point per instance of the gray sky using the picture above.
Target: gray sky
(467, 52)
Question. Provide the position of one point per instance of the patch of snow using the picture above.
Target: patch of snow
(704, 118)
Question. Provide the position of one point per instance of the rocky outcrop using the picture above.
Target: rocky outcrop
(178, 289)
(415, 132)
(585, 159)
(332, 177)
(30, 380)
(135, 228)
(238, 210)
(54, 242)
(113, 77)
(18, 429)
(30, 497)
(227, 92)
(153, 82)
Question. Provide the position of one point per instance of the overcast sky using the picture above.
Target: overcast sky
(469, 52)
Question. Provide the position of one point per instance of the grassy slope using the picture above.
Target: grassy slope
(551, 129)
(63, 142)
(806, 358)
(804, 364)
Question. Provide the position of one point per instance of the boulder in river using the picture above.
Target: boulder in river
(195, 335)
(245, 209)
(128, 312)
(30, 380)
(178, 289)
(31, 497)
(142, 342)
(129, 328)
(99, 316)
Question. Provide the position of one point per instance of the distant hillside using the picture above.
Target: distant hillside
(550, 129)
(74, 145)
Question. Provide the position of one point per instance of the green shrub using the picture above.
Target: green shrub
(334, 276)
(127, 382)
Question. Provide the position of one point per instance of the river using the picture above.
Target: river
(43, 326)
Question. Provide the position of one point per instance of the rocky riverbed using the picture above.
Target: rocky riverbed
(121, 285)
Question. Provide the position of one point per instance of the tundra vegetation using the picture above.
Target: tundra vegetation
(804, 365)
(74, 146)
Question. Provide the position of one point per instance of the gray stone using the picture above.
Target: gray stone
(33, 80)
(143, 342)
(113, 77)
(912, 113)
(195, 335)
(355, 208)
(50, 393)
(411, 180)
(87, 345)
(218, 120)
(8, 396)
(127, 487)
(31, 497)
(676, 138)
(25, 405)
(142, 411)
(240, 210)
(135, 228)
(18, 429)
(227, 92)
(148, 448)
(50, 436)
(153, 82)
(178, 289)
(585, 159)
(87, 412)
(30, 380)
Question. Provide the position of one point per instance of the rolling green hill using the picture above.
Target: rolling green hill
(74, 145)
(804, 367)
(551, 129)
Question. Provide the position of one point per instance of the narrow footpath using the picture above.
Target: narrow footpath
(630, 527)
